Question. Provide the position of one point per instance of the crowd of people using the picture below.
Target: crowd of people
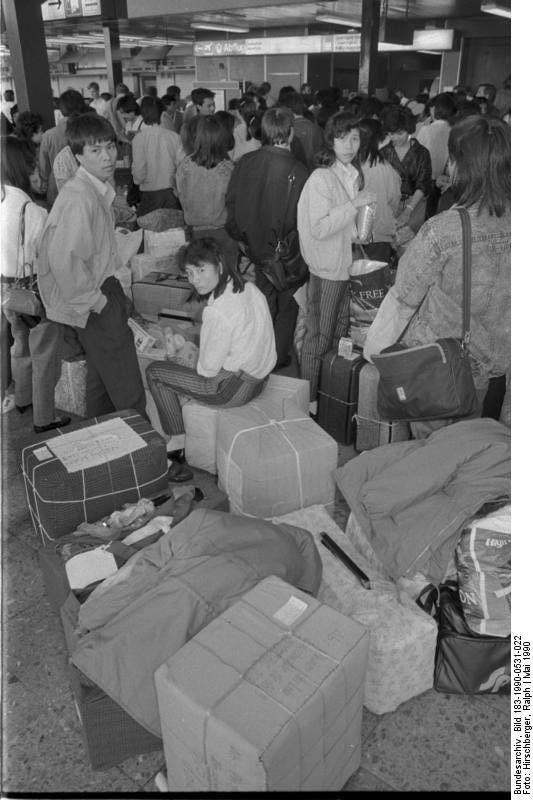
(264, 171)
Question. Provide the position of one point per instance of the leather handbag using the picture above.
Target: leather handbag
(466, 662)
(20, 294)
(287, 268)
(431, 381)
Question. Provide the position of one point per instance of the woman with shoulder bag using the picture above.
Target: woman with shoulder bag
(425, 303)
(35, 354)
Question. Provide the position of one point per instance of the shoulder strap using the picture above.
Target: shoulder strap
(290, 182)
(467, 271)
(22, 228)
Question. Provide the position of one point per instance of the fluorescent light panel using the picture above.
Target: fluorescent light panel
(219, 26)
(497, 9)
(337, 20)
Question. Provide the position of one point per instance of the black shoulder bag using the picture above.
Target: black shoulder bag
(21, 295)
(431, 381)
(286, 269)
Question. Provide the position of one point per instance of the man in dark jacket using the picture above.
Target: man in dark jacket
(262, 204)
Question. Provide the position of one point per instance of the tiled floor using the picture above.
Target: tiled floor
(433, 742)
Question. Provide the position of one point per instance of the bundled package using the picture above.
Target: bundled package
(402, 637)
(71, 389)
(267, 697)
(273, 460)
(200, 420)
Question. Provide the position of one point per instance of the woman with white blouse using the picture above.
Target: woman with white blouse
(327, 229)
(237, 347)
(35, 354)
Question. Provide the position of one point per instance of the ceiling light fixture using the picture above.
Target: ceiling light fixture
(219, 26)
(498, 9)
(329, 18)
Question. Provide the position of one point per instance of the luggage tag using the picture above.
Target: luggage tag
(345, 349)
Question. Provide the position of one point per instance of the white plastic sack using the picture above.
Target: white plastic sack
(164, 242)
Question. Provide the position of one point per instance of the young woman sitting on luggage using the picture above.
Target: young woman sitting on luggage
(237, 348)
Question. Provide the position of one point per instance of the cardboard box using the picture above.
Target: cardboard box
(402, 637)
(159, 290)
(71, 388)
(270, 463)
(267, 697)
(111, 735)
(201, 420)
(144, 263)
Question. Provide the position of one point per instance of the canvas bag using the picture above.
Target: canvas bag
(431, 381)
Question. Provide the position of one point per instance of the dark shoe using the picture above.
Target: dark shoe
(57, 423)
(176, 455)
(179, 473)
(22, 409)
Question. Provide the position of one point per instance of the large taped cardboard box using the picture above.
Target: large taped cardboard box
(270, 463)
(267, 697)
(200, 420)
(110, 734)
(159, 290)
(59, 500)
(402, 637)
(71, 389)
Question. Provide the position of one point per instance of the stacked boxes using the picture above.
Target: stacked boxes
(267, 697)
(272, 461)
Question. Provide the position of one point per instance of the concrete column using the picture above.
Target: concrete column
(31, 73)
(370, 14)
(113, 60)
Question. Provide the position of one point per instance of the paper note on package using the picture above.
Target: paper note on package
(95, 444)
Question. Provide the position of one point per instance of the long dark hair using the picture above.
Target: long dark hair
(480, 148)
(16, 164)
(211, 142)
(206, 250)
(337, 126)
(370, 131)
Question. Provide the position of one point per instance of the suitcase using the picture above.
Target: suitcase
(58, 500)
(347, 404)
(370, 430)
(159, 290)
(110, 734)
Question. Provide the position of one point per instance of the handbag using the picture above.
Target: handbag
(287, 268)
(21, 295)
(431, 381)
(466, 662)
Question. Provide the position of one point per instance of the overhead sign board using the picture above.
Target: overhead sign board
(66, 9)
(279, 44)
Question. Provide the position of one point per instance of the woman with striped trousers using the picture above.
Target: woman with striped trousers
(237, 346)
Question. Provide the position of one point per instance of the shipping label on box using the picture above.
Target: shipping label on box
(267, 696)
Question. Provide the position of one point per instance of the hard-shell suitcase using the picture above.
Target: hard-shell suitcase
(338, 390)
(159, 290)
(347, 404)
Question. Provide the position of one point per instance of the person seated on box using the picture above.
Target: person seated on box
(237, 348)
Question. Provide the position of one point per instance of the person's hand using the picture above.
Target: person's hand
(364, 198)
(443, 182)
